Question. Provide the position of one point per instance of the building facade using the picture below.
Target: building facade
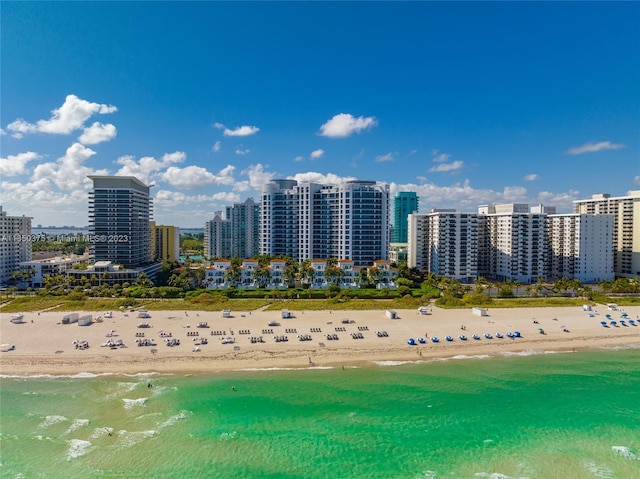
(626, 228)
(513, 243)
(15, 244)
(244, 229)
(313, 221)
(165, 242)
(217, 237)
(581, 247)
(404, 203)
(120, 211)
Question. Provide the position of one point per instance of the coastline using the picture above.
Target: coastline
(44, 346)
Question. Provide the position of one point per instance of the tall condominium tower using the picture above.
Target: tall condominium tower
(244, 226)
(237, 235)
(404, 203)
(513, 243)
(444, 243)
(581, 247)
(120, 210)
(313, 221)
(626, 228)
(15, 243)
(217, 237)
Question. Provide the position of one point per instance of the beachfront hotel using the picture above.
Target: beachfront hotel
(626, 228)
(307, 220)
(445, 243)
(15, 244)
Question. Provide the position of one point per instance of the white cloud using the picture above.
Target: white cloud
(315, 154)
(514, 193)
(242, 152)
(531, 177)
(636, 180)
(383, 158)
(69, 173)
(196, 177)
(298, 158)
(169, 199)
(148, 165)
(343, 125)
(444, 167)
(71, 116)
(593, 147)
(97, 133)
(257, 176)
(441, 158)
(244, 130)
(14, 165)
(217, 146)
(315, 177)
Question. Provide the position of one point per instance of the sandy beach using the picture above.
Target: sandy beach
(43, 345)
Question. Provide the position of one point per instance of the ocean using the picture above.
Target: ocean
(564, 415)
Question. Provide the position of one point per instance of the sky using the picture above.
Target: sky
(465, 103)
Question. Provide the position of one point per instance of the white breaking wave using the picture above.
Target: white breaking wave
(130, 403)
(77, 424)
(174, 419)
(625, 452)
(77, 448)
(601, 472)
(130, 439)
(51, 420)
(497, 475)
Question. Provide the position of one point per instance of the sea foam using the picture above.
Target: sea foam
(77, 448)
(51, 420)
(77, 424)
(625, 452)
(131, 403)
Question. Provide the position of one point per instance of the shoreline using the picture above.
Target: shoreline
(44, 346)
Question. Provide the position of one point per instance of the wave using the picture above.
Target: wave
(78, 448)
(51, 420)
(131, 403)
(625, 452)
(77, 424)
(497, 475)
(601, 472)
(285, 369)
(101, 432)
(174, 419)
(130, 439)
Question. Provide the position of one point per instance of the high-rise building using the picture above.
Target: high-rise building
(444, 242)
(165, 242)
(312, 221)
(244, 229)
(626, 228)
(513, 243)
(404, 203)
(237, 234)
(15, 243)
(217, 237)
(581, 247)
(120, 210)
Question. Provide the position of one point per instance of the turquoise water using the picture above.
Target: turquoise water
(574, 415)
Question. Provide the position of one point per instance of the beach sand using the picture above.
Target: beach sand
(43, 345)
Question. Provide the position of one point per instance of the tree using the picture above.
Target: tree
(334, 274)
(262, 275)
(144, 281)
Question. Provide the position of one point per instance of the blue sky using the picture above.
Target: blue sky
(464, 103)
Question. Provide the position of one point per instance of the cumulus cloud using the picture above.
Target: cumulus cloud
(636, 180)
(71, 116)
(217, 146)
(445, 167)
(69, 173)
(343, 125)
(97, 133)
(298, 158)
(147, 166)
(244, 130)
(196, 177)
(315, 177)
(383, 158)
(441, 158)
(315, 154)
(242, 152)
(531, 177)
(257, 176)
(593, 147)
(14, 165)
(167, 198)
